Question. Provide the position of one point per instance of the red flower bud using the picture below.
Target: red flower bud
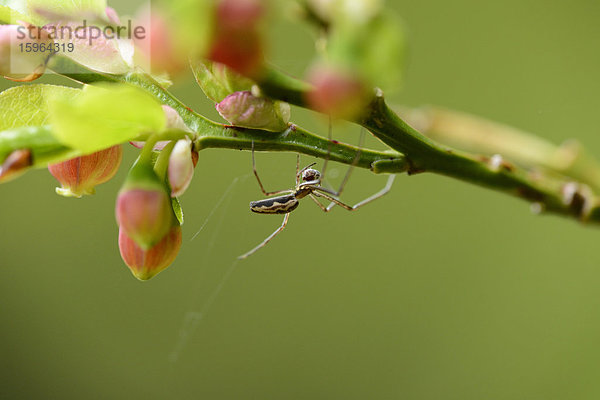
(144, 209)
(239, 14)
(145, 263)
(237, 39)
(80, 175)
(18, 64)
(337, 93)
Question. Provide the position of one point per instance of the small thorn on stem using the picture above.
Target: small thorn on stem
(536, 208)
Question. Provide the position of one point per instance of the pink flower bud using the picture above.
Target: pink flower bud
(24, 51)
(80, 175)
(337, 92)
(237, 41)
(156, 42)
(246, 110)
(174, 120)
(181, 167)
(145, 214)
(146, 263)
(239, 14)
(15, 164)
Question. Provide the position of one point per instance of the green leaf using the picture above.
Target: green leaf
(27, 105)
(10, 16)
(29, 8)
(177, 209)
(104, 116)
(39, 139)
(102, 54)
(24, 117)
(218, 81)
(69, 7)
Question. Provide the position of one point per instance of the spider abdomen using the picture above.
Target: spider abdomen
(275, 205)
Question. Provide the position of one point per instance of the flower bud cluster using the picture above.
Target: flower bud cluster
(149, 231)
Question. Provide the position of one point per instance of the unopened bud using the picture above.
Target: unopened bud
(239, 14)
(174, 120)
(15, 164)
(248, 111)
(79, 176)
(156, 42)
(181, 167)
(337, 93)
(146, 263)
(143, 207)
(24, 51)
(237, 39)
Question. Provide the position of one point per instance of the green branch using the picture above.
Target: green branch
(478, 135)
(416, 152)
(209, 134)
(557, 194)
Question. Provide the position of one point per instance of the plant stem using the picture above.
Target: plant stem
(209, 134)
(475, 134)
(557, 194)
(416, 152)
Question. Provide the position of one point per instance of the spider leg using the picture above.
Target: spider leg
(324, 194)
(333, 201)
(297, 169)
(321, 206)
(351, 168)
(258, 179)
(264, 242)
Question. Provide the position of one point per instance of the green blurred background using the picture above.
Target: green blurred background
(441, 290)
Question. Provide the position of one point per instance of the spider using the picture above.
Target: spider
(308, 183)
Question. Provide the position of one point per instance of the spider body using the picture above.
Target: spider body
(289, 202)
(275, 205)
(308, 184)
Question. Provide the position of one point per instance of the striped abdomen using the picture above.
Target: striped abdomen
(275, 205)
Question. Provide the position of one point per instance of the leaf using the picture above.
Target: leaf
(217, 81)
(92, 49)
(10, 16)
(177, 209)
(69, 7)
(28, 105)
(24, 119)
(104, 116)
(40, 140)
(29, 10)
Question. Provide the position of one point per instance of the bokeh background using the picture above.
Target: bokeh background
(441, 290)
